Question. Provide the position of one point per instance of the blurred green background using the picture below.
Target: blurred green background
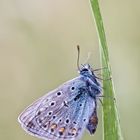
(38, 41)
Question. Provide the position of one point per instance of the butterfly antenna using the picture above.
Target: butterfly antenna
(89, 55)
(78, 49)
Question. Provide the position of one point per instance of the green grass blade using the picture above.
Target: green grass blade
(111, 122)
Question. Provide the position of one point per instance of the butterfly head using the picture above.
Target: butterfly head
(86, 70)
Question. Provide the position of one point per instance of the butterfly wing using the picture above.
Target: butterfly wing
(93, 120)
(62, 114)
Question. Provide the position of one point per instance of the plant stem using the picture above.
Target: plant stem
(111, 129)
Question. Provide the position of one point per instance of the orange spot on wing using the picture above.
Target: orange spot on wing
(74, 131)
(53, 126)
(62, 129)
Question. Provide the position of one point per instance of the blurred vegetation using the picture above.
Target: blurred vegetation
(38, 53)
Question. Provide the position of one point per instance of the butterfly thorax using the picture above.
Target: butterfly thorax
(92, 83)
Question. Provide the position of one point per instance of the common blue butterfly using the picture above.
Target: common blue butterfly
(64, 113)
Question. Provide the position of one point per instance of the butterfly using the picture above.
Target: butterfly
(65, 112)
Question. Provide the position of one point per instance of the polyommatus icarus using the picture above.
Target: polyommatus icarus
(64, 113)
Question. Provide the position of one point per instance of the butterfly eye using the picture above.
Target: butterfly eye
(84, 70)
